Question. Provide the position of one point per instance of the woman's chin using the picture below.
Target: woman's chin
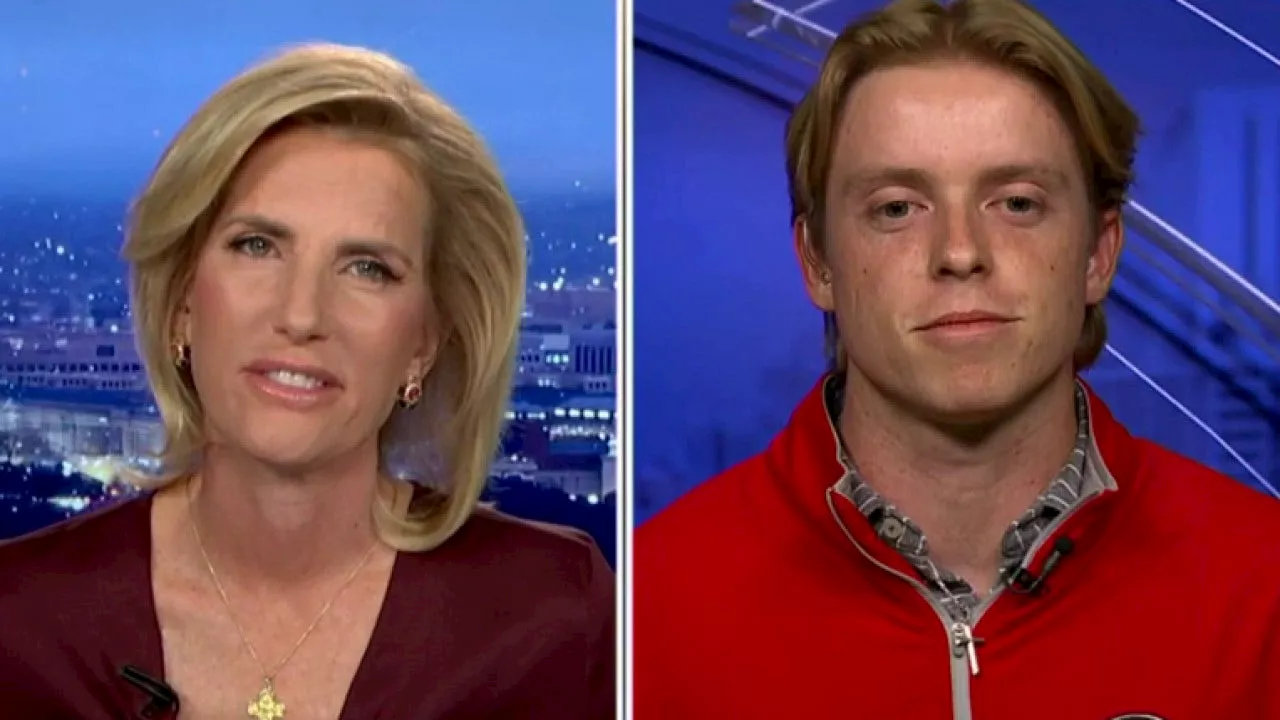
(296, 452)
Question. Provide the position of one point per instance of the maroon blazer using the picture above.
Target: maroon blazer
(508, 619)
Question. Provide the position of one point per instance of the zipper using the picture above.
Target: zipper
(960, 636)
(964, 644)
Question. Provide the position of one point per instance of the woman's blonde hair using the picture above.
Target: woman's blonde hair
(475, 268)
(1008, 34)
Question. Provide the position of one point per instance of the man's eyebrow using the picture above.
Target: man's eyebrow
(864, 180)
(1034, 172)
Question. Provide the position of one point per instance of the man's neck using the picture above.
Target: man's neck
(962, 490)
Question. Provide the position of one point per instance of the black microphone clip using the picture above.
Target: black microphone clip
(162, 703)
(1024, 582)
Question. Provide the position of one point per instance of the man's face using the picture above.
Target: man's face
(960, 246)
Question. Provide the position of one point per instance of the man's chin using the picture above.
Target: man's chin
(978, 402)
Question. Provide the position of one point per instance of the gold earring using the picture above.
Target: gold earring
(826, 277)
(410, 393)
(181, 354)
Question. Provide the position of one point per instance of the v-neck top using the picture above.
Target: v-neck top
(508, 619)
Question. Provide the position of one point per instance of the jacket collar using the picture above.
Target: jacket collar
(805, 462)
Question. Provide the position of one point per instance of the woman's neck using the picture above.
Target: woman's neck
(266, 528)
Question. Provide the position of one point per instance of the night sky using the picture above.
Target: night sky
(91, 91)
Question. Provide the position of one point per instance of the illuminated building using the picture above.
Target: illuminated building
(567, 356)
(43, 359)
(81, 398)
(587, 305)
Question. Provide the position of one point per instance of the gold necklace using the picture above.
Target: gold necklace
(267, 705)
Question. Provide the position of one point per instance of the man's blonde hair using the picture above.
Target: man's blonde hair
(475, 269)
(1003, 33)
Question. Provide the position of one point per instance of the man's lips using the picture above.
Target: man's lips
(967, 317)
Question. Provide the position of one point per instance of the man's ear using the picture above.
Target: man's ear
(813, 264)
(1104, 259)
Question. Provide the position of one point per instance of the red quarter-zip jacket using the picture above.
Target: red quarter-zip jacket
(763, 594)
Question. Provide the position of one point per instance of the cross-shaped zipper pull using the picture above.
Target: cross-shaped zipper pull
(966, 644)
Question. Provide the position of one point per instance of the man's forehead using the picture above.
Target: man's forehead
(917, 103)
(979, 151)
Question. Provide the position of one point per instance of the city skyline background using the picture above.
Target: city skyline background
(89, 97)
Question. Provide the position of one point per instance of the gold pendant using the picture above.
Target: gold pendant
(267, 706)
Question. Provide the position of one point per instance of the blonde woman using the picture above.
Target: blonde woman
(327, 270)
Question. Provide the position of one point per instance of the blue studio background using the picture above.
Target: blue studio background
(727, 342)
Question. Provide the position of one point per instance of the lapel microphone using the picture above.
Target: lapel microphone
(162, 700)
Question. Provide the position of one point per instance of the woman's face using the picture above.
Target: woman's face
(308, 309)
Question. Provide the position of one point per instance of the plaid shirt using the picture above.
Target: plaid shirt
(899, 532)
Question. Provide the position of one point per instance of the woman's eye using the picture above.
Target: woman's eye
(373, 270)
(253, 245)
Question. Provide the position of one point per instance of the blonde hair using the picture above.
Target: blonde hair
(1003, 33)
(475, 268)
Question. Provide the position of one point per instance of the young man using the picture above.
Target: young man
(952, 525)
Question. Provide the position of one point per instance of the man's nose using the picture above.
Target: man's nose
(961, 248)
